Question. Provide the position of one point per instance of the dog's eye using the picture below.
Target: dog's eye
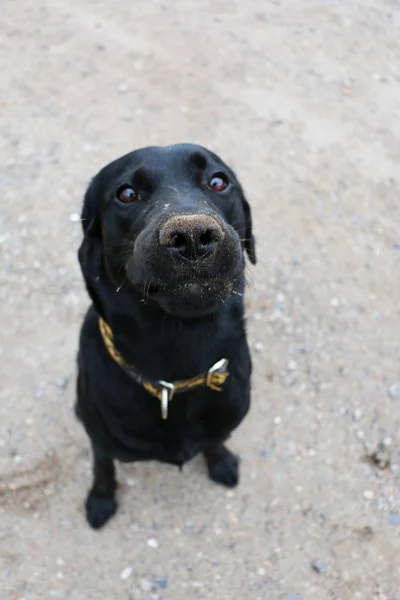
(126, 194)
(218, 183)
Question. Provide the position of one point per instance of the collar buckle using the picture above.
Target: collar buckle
(219, 366)
(167, 392)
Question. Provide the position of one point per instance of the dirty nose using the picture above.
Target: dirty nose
(191, 236)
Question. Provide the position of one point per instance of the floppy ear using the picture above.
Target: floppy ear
(90, 253)
(249, 241)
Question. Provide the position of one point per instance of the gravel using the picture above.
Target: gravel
(319, 565)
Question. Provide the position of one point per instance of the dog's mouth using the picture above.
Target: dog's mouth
(188, 298)
(192, 288)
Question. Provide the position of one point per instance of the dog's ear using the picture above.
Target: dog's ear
(90, 216)
(90, 253)
(249, 240)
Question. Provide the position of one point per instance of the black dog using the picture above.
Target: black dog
(164, 366)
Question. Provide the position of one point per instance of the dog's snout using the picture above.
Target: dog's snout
(191, 236)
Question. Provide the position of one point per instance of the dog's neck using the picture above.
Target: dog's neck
(146, 335)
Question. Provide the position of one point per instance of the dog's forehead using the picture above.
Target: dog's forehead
(167, 158)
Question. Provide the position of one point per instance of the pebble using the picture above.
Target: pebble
(126, 573)
(292, 365)
(277, 420)
(152, 542)
(335, 302)
(394, 390)
(357, 414)
(382, 455)
(62, 383)
(145, 584)
(394, 519)
(123, 87)
(368, 494)
(258, 346)
(162, 581)
(74, 217)
(265, 453)
(319, 565)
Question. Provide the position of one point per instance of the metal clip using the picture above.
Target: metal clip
(167, 392)
(221, 365)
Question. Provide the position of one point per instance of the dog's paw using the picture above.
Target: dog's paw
(224, 469)
(100, 507)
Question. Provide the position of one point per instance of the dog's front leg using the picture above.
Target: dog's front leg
(101, 503)
(222, 465)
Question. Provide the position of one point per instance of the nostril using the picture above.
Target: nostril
(207, 237)
(178, 241)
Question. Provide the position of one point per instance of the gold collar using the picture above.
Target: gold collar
(214, 378)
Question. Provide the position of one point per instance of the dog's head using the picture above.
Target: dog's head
(170, 224)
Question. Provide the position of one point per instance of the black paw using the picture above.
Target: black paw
(100, 507)
(224, 469)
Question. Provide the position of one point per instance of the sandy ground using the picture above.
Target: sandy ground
(302, 97)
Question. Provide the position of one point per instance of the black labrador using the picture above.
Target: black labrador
(163, 365)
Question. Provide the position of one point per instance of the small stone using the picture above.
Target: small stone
(197, 584)
(277, 420)
(152, 543)
(368, 494)
(381, 455)
(60, 575)
(162, 581)
(265, 453)
(258, 346)
(292, 365)
(145, 584)
(74, 217)
(394, 390)
(126, 573)
(394, 519)
(130, 482)
(62, 383)
(357, 414)
(123, 87)
(319, 566)
(335, 302)
(60, 562)
(261, 571)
